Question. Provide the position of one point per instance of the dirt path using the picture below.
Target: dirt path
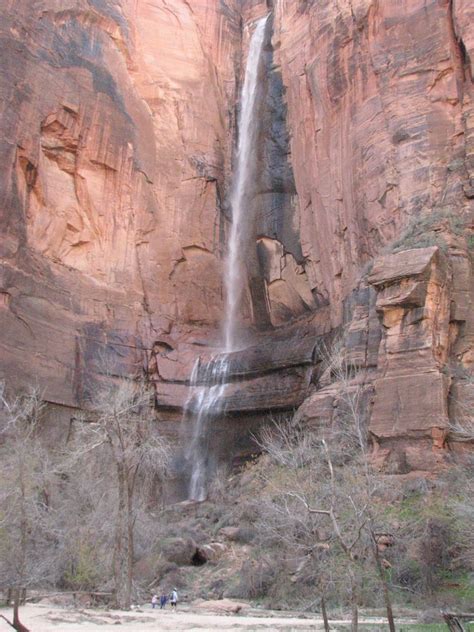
(47, 618)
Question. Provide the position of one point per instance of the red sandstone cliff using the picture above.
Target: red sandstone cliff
(117, 126)
(117, 130)
(381, 114)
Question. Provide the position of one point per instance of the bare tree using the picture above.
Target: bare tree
(27, 519)
(352, 392)
(330, 491)
(86, 513)
(316, 511)
(122, 431)
(462, 430)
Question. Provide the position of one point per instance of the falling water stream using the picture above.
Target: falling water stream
(208, 383)
(244, 178)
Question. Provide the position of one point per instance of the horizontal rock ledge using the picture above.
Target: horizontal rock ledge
(293, 350)
(264, 392)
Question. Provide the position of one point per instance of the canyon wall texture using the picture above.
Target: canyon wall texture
(117, 128)
(118, 125)
(380, 113)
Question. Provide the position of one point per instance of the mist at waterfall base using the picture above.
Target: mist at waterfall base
(206, 402)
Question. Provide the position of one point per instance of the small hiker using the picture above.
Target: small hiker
(163, 600)
(174, 598)
(154, 601)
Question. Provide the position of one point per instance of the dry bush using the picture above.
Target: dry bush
(29, 537)
(218, 486)
(255, 578)
(122, 436)
(287, 444)
(433, 549)
(462, 428)
(460, 484)
(319, 505)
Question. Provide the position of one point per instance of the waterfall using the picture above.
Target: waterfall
(208, 383)
(204, 404)
(234, 273)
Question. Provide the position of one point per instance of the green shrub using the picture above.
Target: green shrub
(425, 231)
(83, 573)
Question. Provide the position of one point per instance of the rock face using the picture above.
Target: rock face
(411, 396)
(117, 127)
(379, 100)
(118, 124)
(380, 112)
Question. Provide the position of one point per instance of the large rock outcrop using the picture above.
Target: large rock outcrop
(380, 109)
(118, 122)
(117, 127)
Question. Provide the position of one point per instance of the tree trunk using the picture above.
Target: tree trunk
(453, 622)
(325, 614)
(19, 627)
(354, 618)
(383, 579)
(354, 608)
(121, 546)
(129, 543)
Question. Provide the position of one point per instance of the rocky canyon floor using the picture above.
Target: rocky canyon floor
(51, 618)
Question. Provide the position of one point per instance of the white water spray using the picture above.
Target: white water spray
(234, 273)
(204, 404)
(208, 383)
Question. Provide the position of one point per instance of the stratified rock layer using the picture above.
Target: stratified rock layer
(117, 133)
(380, 113)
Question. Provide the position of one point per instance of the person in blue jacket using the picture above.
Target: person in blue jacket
(174, 598)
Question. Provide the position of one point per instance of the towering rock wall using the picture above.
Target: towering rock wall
(118, 126)
(380, 112)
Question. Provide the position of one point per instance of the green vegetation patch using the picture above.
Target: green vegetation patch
(427, 230)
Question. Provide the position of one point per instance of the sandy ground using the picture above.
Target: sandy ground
(48, 618)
